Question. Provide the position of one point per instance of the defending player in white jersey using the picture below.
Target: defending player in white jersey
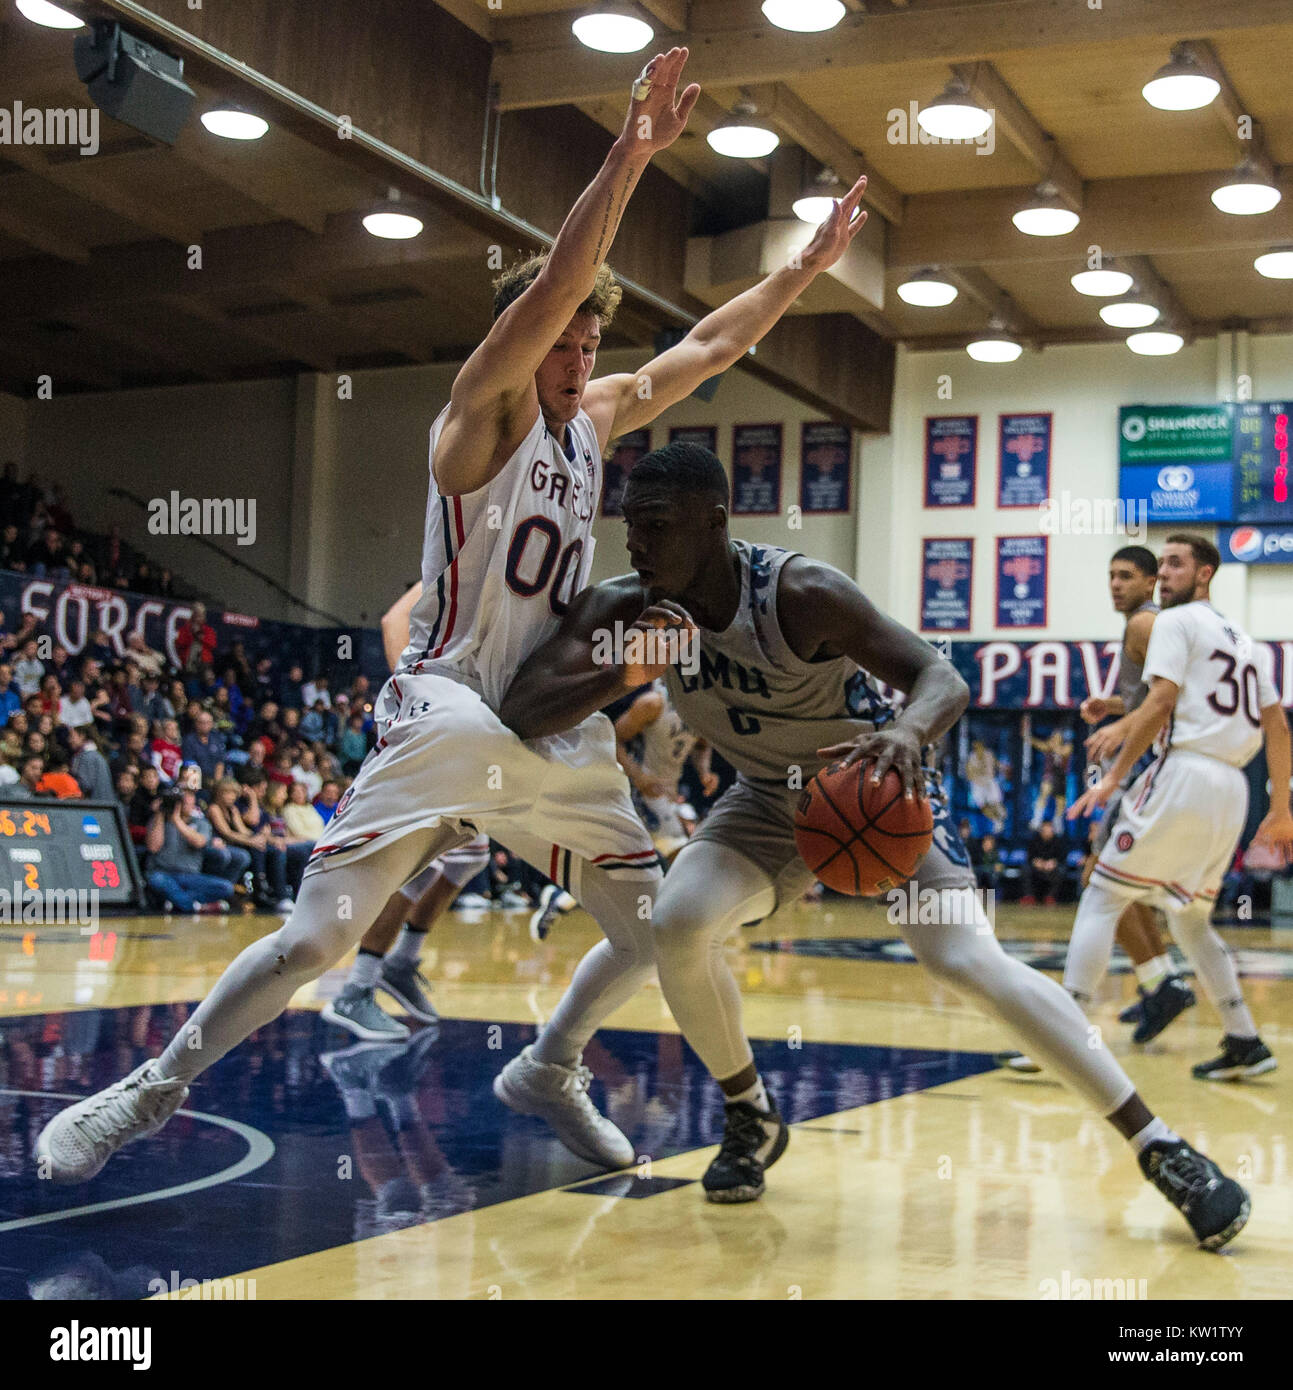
(782, 689)
(1180, 821)
(515, 464)
(666, 744)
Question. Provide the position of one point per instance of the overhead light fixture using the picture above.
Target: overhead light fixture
(815, 204)
(233, 123)
(954, 115)
(1156, 344)
(1250, 190)
(1181, 84)
(1129, 313)
(41, 12)
(741, 137)
(928, 290)
(1275, 265)
(1102, 284)
(612, 29)
(1045, 215)
(995, 346)
(392, 219)
(803, 16)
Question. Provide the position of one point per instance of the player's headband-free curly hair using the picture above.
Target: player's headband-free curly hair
(1204, 552)
(518, 277)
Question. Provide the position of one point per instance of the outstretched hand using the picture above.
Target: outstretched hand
(832, 238)
(656, 119)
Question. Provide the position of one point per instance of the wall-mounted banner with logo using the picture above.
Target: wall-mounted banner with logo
(946, 581)
(1024, 460)
(1256, 545)
(951, 454)
(628, 449)
(1021, 581)
(825, 467)
(756, 470)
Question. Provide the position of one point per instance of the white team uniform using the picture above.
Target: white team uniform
(666, 743)
(499, 567)
(1180, 821)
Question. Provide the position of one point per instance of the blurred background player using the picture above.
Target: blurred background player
(985, 789)
(1181, 819)
(653, 744)
(1057, 752)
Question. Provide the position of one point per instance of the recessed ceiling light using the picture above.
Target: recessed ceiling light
(1045, 215)
(1275, 265)
(742, 137)
(803, 16)
(954, 115)
(232, 124)
(611, 29)
(1248, 191)
(994, 349)
(1180, 85)
(1129, 313)
(1156, 344)
(1101, 283)
(927, 290)
(40, 12)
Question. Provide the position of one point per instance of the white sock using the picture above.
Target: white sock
(1152, 972)
(755, 1095)
(408, 948)
(1153, 1132)
(363, 974)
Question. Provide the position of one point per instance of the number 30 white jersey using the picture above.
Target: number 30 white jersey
(1224, 679)
(500, 565)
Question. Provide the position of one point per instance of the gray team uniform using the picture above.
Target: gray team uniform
(1132, 688)
(767, 712)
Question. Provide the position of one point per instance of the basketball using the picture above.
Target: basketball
(859, 838)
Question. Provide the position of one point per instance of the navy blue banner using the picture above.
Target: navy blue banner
(628, 449)
(1021, 581)
(951, 456)
(1024, 460)
(825, 467)
(756, 470)
(704, 435)
(946, 583)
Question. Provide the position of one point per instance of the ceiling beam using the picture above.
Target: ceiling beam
(673, 14)
(1020, 127)
(469, 13)
(997, 304)
(267, 337)
(255, 179)
(568, 73)
(1149, 285)
(795, 119)
(1226, 105)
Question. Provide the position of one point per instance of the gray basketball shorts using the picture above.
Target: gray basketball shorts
(758, 821)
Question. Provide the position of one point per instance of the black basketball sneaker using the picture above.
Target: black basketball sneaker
(1240, 1057)
(753, 1140)
(1157, 1009)
(1215, 1206)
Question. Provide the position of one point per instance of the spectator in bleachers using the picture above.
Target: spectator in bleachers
(268, 859)
(279, 769)
(221, 710)
(177, 696)
(178, 833)
(146, 800)
(10, 700)
(31, 773)
(73, 708)
(51, 695)
(46, 558)
(353, 745)
(165, 583)
(196, 640)
(132, 756)
(126, 783)
(306, 771)
(289, 688)
(28, 670)
(12, 551)
(314, 690)
(291, 736)
(166, 750)
(985, 856)
(150, 662)
(144, 581)
(89, 766)
(312, 726)
(1044, 872)
(238, 662)
(12, 735)
(206, 747)
(57, 778)
(265, 686)
(302, 820)
(326, 801)
(59, 512)
(253, 770)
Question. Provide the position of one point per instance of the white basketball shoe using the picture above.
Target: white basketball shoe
(559, 1095)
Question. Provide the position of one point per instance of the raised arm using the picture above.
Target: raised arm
(494, 403)
(627, 401)
(395, 625)
(824, 614)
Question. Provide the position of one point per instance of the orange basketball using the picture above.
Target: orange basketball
(857, 837)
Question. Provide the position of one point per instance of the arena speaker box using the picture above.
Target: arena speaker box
(134, 82)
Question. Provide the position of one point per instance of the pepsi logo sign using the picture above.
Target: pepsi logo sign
(1245, 542)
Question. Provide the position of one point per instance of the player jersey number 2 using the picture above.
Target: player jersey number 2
(536, 561)
(1232, 691)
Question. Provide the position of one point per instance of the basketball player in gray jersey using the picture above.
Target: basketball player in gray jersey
(782, 690)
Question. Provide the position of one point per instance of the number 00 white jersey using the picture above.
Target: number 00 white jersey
(1224, 679)
(500, 565)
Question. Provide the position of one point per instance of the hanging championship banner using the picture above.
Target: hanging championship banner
(1021, 581)
(951, 454)
(756, 470)
(946, 583)
(704, 435)
(628, 449)
(1024, 460)
(825, 467)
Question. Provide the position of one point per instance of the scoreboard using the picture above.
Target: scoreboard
(68, 846)
(1262, 462)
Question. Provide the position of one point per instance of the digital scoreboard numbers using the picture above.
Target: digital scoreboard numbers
(67, 847)
(1262, 462)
